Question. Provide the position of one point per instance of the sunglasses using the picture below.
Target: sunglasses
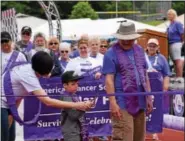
(53, 44)
(66, 51)
(4, 41)
(105, 46)
(26, 33)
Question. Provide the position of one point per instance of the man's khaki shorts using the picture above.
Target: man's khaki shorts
(129, 128)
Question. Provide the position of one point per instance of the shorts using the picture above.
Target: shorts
(175, 51)
(129, 128)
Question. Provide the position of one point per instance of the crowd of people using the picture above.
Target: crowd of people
(124, 64)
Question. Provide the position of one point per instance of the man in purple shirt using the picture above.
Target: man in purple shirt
(124, 67)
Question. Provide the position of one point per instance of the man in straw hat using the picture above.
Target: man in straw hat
(125, 69)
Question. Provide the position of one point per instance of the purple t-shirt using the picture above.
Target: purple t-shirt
(174, 31)
(160, 63)
(110, 66)
(63, 64)
(74, 54)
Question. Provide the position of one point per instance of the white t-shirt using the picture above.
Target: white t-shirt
(6, 56)
(79, 63)
(24, 81)
(99, 57)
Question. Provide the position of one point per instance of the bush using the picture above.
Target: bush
(83, 10)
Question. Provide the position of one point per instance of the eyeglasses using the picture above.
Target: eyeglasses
(26, 33)
(105, 46)
(4, 41)
(53, 44)
(66, 51)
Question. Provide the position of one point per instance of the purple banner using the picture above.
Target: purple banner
(48, 125)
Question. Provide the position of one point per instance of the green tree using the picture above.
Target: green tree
(179, 7)
(83, 10)
(13, 4)
(26, 7)
(65, 8)
(99, 5)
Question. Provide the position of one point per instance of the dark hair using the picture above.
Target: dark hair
(157, 51)
(42, 63)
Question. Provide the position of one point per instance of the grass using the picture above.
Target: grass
(154, 23)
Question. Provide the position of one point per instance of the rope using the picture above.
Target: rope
(177, 92)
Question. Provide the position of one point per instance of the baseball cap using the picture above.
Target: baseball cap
(26, 29)
(70, 76)
(154, 41)
(5, 36)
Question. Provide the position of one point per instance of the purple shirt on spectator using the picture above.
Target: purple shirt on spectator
(174, 31)
(160, 63)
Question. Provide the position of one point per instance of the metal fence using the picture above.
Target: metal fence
(140, 11)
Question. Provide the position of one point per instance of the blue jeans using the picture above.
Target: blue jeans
(7, 134)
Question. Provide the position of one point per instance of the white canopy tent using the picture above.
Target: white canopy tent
(69, 27)
(74, 28)
(26, 20)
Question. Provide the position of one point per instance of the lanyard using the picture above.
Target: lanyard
(155, 61)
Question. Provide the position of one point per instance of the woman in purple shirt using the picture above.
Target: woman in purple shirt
(159, 64)
(175, 33)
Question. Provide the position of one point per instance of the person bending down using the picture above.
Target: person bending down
(24, 79)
